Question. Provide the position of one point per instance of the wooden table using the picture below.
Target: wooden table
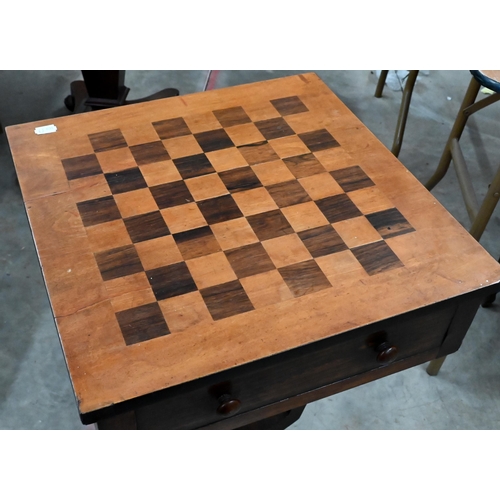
(221, 258)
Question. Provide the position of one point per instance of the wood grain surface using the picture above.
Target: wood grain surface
(184, 237)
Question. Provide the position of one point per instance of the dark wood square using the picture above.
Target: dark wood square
(376, 257)
(98, 211)
(304, 278)
(219, 209)
(150, 152)
(146, 227)
(171, 281)
(289, 105)
(240, 179)
(105, 141)
(259, 152)
(228, 299)
(322, 240)
(142, 323)
(390, 223)
(337, 208)
(118, 262)
(81, 166)
(232, 116)
(288, 193)
(168, 129)
(193, 166)
(269, 225)
(318, 140)
(352, 178)
(125, 180)
(304, 165)
(171, 194)
(214, 140)
(274, 128)
(197, 242)
(249, 260)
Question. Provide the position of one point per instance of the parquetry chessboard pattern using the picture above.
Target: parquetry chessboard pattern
(212, 219)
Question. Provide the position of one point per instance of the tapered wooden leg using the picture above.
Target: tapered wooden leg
(435, 366)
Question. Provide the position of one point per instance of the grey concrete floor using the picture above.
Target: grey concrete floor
(35, 391)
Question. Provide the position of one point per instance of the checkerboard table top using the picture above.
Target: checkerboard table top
(182, 237)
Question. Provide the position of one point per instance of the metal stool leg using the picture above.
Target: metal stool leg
(489, 203)
(481, 216)
(456, 132)
(381, 82)
(403, 112)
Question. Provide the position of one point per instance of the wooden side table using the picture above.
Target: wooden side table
(219, 260)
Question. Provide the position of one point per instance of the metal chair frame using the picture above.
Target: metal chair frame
(479, 214)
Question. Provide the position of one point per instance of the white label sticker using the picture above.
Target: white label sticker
(47, 129)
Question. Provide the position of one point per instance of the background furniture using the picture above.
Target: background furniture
(403, 110)
(479, 214)
(105, 89)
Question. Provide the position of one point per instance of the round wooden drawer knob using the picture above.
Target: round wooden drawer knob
(387, 353)
(228, 404)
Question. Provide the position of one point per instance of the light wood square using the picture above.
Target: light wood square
(161, 172)
(254, 201)
(133, 299)
(246, 133)
(262, 110)
(357, 231)
(185, 311)
(321, 186)
(286, 250)
(126, 284)
(307, 122)
(211, 270)
(304, 216)
(226, 159)
(141, 133)
(108, 235)
(289, 146)
(178, 147)
(234, 233)
(334, 158)
(116, 160)
(159, 252)
(202, 122)
(206, 186)
(89, 188)
(342, 269)
(266, 289)
(370, 200)
(183, 217)
(273, 172)
(136, 202)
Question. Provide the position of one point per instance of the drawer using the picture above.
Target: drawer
(303, 369)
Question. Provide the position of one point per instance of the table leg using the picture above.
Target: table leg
(435, 365)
